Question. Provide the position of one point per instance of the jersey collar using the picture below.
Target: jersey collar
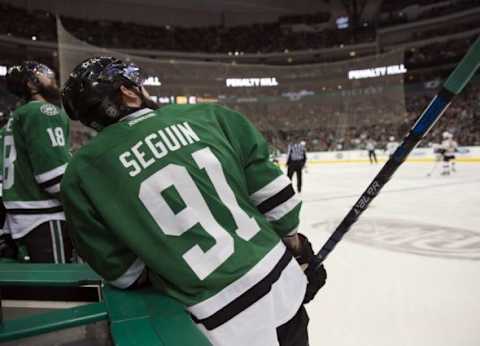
(136, 114)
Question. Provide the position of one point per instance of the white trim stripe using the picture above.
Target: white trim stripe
(292, 232)
(130, 276)
(60, 238)
(49, 175)
(53, 189)
(54, 242)
(283, 209)
(47, 203)
(211, 305)
(20, 225)
(38, 304)
(136, 114)
(271, 189)
(256, 325)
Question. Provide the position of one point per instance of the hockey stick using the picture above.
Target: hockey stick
(453, 86)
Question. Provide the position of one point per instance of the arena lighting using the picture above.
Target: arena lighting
(377, 72)
(3, 70)
(251, 82)
(164, 99)
(152, 81)
(342, 22)
(182, 100)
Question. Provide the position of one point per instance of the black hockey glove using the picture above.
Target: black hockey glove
(316, 275)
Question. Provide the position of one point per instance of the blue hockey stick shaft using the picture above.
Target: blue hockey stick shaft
(455, 83)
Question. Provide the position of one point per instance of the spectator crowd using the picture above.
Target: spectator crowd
(322, 126)
(326, 129)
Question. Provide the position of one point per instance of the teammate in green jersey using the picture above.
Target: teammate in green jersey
(8, 248)
(185, 197)
(36, 153)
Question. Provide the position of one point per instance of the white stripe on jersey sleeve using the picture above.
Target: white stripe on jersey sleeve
(49, 175)
(130, 276)
(271, 189)
(292, 232)
(48, 203)
(53, 189)
(283, 209)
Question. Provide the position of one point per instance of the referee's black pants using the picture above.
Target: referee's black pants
(372, 156)
(296, 167)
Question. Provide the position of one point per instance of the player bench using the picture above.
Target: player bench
(136, 318)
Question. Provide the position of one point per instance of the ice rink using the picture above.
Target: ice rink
(408, 273)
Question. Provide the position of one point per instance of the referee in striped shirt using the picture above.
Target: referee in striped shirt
(296, 159)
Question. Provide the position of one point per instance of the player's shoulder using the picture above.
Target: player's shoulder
(42, 107)
(34, 110)
(93, 151)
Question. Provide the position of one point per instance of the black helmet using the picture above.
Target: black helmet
(19, 75)
(90, 94)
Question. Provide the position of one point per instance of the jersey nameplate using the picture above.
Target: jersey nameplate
(157, 145)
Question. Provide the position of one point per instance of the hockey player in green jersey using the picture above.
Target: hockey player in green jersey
(36, 152)
(185, 197)
(8, 248)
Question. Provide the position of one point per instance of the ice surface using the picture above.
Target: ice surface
(408, 273)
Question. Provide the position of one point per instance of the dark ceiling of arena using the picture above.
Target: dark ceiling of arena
(181, 12)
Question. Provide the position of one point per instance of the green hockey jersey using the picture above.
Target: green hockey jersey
(35, 154)
(187, 191)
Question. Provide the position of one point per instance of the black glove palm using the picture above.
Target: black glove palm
(315, 272)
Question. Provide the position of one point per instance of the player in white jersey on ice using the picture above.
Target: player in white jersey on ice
(448, 149)
(391, 146)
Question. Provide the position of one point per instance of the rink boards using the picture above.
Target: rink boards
(464, 154)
